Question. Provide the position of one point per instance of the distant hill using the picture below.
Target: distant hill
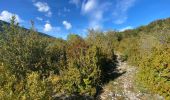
(6, 23)
(154, 28)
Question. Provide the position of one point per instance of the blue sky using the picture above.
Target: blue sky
(58, 18)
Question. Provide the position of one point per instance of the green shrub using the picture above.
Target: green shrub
(154, 71)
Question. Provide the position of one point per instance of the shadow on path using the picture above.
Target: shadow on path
(111, 73)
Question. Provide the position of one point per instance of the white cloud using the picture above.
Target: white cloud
(96, 20)
(121, 9)
(6, 16)
(47, 27)
(76, 2)
(67, 25)
(89, 6)
(95, 11)
(100, 11)
(43, 7)
(126, 28)
(39, 18)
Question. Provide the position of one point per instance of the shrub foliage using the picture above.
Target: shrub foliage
(39, 67)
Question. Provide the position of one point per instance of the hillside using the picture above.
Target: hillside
(134, 64)
(8, 24)
(148, 48)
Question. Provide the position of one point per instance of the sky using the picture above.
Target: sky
(59, 18)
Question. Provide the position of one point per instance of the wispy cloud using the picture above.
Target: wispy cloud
(126, 28)
(89, 6)
(95, 12)
(120, 12)
(66, 9)
(99, 11)
(39, 18)
(56, 29)
(43, 7)
(6, 16)
(67, 25)
(75, 2)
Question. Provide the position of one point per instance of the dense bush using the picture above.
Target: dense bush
(106, 48)
(149, 50)
(33, 87)
(40, 67)
(154, 71)
(23, 51)
(33, 66)
(82, 74)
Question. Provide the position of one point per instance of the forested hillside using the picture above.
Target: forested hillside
(3, 23)
(148, 48)
(39, 67)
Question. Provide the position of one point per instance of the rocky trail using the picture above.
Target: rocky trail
(123, 87)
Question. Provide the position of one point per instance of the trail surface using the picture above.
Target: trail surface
(123, 87)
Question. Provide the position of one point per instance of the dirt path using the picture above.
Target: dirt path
(123, 87)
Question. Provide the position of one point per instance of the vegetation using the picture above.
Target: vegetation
(148, 47)
(38, 67)
(34, 66)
